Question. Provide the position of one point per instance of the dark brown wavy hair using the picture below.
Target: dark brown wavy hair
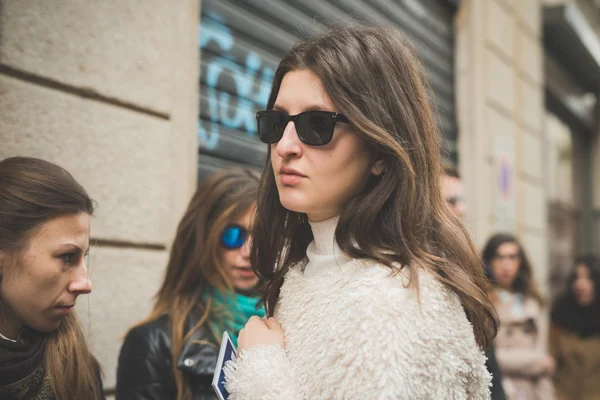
(524, 282)
(195, 261)
(32, 192)
(400, 218)
(567, 313)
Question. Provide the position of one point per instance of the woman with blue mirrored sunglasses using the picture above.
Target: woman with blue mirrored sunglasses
(233, 237)
(209, 287)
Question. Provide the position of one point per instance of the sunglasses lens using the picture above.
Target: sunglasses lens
(316, 128)
(271, 125)
(233, 237)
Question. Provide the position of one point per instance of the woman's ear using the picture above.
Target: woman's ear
(379, 167)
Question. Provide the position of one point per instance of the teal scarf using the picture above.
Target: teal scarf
(230, 312)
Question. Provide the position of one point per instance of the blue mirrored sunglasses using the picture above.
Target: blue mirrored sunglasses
(233, 237)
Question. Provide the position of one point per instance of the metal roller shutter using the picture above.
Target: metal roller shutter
(242, 41)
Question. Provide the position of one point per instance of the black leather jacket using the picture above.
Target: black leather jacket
(145, 369)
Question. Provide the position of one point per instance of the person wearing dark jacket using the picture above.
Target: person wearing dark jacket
(453, 192)
(575, 333)
(209, 287)
(497, 390)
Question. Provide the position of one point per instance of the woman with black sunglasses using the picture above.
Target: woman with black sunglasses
(208, 288)
(374, 289)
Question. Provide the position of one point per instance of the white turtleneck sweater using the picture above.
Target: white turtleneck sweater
(354, 331)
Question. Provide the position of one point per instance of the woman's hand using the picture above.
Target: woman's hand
(257, 332)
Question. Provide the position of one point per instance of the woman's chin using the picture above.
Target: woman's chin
(292, 202)
(46, 327)
(245, 285)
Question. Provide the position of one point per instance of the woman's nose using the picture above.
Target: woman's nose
(246, 248)
(289, 145)
(81, 283)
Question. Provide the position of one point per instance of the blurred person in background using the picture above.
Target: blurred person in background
(453, 192)
(209, 287)
(44, 240)
(575, 333)
(521, 343)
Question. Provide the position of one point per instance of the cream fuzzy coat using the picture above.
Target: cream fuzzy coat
(353, 331)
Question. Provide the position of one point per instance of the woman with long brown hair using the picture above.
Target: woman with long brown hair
(209, 287)
(44, 238)
(575, 333)
(373, 288)
(521, 344)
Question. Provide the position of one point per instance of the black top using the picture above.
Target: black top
(23, 372)
(497, 390)
(583, 321)
(145, 370)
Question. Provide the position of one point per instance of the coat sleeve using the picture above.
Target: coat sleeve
(142, 373)
(391, 346)
(261, 373)
(554, 345)
(521, 361)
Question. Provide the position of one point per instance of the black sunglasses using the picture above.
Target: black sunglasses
(233, 237)
(314, 128)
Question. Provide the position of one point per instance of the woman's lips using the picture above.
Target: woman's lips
(65, 310)
(290, 179)
(290, 176)
(245, 272)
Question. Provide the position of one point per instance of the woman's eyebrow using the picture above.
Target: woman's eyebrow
(317, 107)
(71, 246)
(311, 107)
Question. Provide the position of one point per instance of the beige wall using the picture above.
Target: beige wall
(109, 90)
(500, 111)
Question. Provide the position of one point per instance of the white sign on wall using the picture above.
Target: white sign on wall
(505, 183)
